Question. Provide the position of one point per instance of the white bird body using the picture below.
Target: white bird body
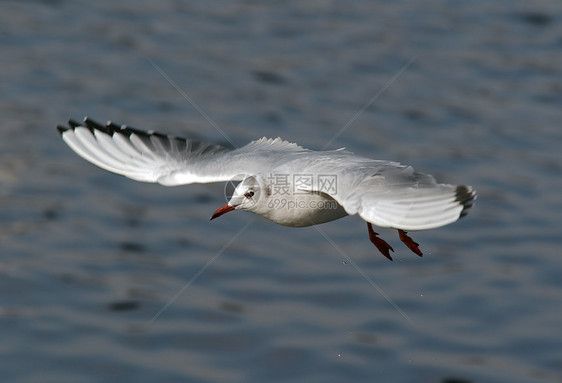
(281, 181)
(285, 204)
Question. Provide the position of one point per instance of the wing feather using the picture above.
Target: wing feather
(416, 207)
(155, 157)
(389, 194)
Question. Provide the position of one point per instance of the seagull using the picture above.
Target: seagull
(280, 180)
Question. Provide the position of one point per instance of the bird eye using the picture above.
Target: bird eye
(249, 194)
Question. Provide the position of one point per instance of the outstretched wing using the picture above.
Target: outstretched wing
(389, 194)
(414, 202)
(168, 160)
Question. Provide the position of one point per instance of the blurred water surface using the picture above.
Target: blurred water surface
(88, 258)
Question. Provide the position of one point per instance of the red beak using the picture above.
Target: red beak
(221, 210)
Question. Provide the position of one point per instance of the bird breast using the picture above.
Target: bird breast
(302, 209)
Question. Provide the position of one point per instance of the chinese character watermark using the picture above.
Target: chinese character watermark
(281, 184)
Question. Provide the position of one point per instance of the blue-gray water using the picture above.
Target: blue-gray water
(88, 258)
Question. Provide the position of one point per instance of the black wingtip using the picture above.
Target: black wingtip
(465, 196)
(93, 125)
(62, 129)
(73, 124)
(113, 126)
(108, 128)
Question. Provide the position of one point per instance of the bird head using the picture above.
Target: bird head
(246, 196)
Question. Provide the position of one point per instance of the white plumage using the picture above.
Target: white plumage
(383, 193)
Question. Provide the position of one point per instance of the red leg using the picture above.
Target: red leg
(379, 242)
(412, 245)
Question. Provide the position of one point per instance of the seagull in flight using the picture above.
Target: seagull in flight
(279, 180)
